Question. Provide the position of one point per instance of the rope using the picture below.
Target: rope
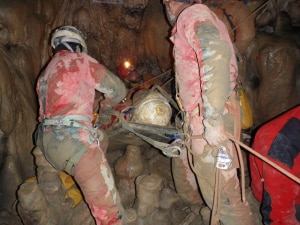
(253, 13)
(141, 84)
(260, 156)
(265, 159)
(215, 214)
(243, 188)
(168, 81)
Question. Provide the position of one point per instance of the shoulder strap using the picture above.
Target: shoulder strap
(44, 84)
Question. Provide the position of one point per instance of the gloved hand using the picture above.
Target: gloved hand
(214, 134)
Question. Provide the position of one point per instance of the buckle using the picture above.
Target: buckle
(59, 121)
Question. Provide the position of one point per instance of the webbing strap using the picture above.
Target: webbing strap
(77, 117)
(44, 85)
(70, 164)
(170, 150)
(166, 95)
(70, 120)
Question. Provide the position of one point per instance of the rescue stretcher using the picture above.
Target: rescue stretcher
(125, 127)
(120, 136)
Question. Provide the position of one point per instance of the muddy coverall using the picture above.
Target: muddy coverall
(236, 15)
(279, 141)
(206, 71)
(66, 92)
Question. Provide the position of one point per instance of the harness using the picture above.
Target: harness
(66, 122)
(72, 121)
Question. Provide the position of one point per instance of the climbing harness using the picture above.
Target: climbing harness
(68, 121)
(72, 121)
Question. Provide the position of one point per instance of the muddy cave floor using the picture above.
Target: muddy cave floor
(164, 207)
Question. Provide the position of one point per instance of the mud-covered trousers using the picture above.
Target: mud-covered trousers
(232, 211)
(92, 172)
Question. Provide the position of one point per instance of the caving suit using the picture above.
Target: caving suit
(206, 72)
(236, 15)
(66, 92)
(279, 141)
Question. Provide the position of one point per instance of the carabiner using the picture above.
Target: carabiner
(173, 151)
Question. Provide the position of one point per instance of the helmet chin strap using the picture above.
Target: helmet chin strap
(70, 37)
(69, 46)
(172, 19)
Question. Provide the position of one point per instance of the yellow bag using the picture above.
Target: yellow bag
(71, 190)
(75, 195)
(247, 116)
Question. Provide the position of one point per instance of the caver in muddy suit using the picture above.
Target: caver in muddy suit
(206, 72)
(66, 136)
(279, 195)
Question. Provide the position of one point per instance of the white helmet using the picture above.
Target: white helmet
(151, 107)
(65, 34)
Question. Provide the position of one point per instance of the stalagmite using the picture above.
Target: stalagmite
(148, 188)
(128, 167)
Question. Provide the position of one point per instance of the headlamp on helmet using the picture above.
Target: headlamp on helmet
(68, 34)
(125, 69)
